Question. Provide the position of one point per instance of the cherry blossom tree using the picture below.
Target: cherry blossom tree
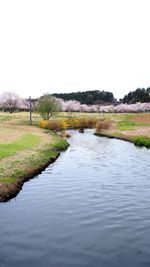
(10, 101)
(72, 105)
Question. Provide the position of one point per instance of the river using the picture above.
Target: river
(90, 208)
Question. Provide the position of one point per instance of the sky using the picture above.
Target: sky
(52, 46)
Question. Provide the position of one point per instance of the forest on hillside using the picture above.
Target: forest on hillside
(102, 97)
(139, 95)
(88, 97)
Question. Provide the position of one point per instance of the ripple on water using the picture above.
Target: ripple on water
(89, 208)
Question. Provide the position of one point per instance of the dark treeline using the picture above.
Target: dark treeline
(88, 97)
(101, 97)
(139, 95)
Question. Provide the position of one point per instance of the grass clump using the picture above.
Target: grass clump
(142, 141)
(60, 145)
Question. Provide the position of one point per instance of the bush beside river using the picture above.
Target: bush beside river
(69, 123)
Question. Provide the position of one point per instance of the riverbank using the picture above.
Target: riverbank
(128, 127)
(24, 152)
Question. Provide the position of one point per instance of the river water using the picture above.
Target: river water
(90, 208)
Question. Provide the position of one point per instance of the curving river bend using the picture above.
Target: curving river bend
(90, 208)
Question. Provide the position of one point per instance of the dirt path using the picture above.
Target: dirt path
(142, 130)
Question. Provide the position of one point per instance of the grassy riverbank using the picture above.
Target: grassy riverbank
(24, 151)
(134, 128)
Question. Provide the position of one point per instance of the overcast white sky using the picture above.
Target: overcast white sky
(71, 45)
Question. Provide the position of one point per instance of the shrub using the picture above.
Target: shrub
(64, 124)
(72, 123)
(142, 141)
(103, 124)
(54, 125)
(43, 123)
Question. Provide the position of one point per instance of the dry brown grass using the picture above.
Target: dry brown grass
(103, 124)
(140, 130)
(10, 133)
(141, 118)
(17, 125)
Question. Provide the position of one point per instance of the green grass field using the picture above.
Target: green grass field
(26, 141)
